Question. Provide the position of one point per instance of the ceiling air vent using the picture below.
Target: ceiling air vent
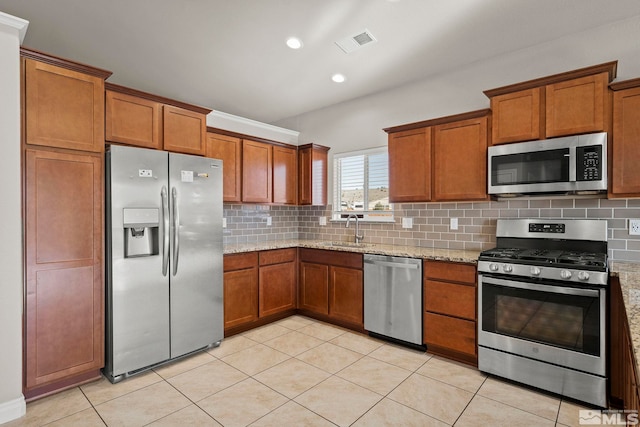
(349, 44)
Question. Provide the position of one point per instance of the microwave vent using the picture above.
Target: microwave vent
(355, 42)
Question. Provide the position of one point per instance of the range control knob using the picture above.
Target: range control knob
(493, 267)
(535, 271)
(583, 275)
(507, 268)
(565, 274)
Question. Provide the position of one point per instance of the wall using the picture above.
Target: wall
(12, 403)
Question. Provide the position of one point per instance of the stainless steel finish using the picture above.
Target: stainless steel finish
(594, 293)
(551, 273)
(570, 142)
(153, 317)
(583, 229)
(578, 385)
(357, 237)
(393, 297)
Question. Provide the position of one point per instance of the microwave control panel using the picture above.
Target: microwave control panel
(589, 163)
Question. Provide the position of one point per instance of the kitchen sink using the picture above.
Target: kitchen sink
(347, 244)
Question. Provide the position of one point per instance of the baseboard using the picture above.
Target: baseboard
(12, 409)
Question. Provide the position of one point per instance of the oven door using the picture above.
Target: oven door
(552, 323)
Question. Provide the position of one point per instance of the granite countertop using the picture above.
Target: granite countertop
(368, 248)
(629, 275)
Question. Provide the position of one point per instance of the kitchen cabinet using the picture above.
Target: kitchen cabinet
(145, 120)
(133, 120)
(625, 147)
(570, 103)
(458, 176)
(64, 291)
(443, 159)
(63, 103)
(240, 289)
(285, 170)
(624, 384)
(331, 286)
(257, 166)
(450, 311)
(229, 150)
(312, 175)
(277, 281)
(410, 165)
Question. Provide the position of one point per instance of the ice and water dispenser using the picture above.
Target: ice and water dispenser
(141, 229)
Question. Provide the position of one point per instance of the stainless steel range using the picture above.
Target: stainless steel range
(542, 306)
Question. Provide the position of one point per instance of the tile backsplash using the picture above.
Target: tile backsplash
(476, 223)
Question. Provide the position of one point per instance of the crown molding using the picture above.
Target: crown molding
(226, 121)
(15, 22)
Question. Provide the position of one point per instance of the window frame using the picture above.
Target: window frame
(338, 215)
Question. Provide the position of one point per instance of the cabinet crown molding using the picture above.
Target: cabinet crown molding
(625, 84)
(64, 63)
(151, 97)
(439, 121)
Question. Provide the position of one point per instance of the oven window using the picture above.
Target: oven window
(567, 321)
(530, 168)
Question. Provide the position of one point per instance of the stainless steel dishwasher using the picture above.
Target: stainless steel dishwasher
(393, 297)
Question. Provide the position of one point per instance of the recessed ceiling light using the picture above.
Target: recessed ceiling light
(294, 43)
(338, 78)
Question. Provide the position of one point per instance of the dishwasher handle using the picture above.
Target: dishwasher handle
(392, 264)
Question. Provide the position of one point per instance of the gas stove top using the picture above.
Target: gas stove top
(592, 261)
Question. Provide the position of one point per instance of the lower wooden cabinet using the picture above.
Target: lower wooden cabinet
(331, 285)
(277, 281)
(624, 383)
(240, 289)
(450, 310)
(64, 289)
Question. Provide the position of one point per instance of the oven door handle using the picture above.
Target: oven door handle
(544, 288)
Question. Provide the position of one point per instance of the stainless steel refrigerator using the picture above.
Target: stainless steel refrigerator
(163, 257)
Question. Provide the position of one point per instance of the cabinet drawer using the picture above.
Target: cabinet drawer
(450, 298)
(450, 271)
(277, 256)
(240, 261)
(337, 258)
(449, 332)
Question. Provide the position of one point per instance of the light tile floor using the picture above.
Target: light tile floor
(301, 372)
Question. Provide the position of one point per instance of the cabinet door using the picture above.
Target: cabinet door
(257, 166)
(518, 116)
(64, 297)
(346, 294)
(285, 171)
(277, 288)
(626, 144)
(240, 297)
(450, 298)
(577, 106)
(229, 150)
(312, 176)
(134, 121)
(410, 165)
(450, 333)
(460, 160)
(313, 288)
(63, 108)
(184, 131)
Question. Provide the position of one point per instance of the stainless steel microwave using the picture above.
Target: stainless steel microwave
(574, 164)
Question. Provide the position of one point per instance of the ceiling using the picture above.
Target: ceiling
(230, 55)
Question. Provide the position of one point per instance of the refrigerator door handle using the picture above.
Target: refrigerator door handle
(176, 229)
(165, 230)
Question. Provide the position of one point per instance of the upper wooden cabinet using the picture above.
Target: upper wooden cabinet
(625, 148)
(257, 166)
(285, 170)
(460, 160)
(443, 159)
(63, 103)
(133, 120)
(569, 103)
(410, 165)
(229, 150)
(312, 175)
(145, 120)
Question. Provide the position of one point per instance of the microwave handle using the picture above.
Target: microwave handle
(573, 163)
(594, 293)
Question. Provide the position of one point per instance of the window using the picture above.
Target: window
(361, 185)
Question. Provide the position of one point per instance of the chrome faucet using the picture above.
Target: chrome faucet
(358, 237)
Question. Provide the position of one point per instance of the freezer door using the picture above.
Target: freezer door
(196, 252)
(137, 292)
